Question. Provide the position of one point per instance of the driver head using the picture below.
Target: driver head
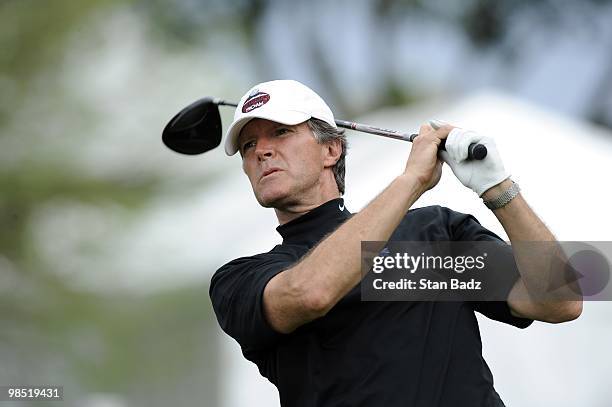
(195, 129)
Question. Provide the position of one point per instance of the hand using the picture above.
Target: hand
(478, 175)
(423, 163)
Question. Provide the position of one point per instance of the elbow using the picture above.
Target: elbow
(573, 311)
(313, 298)
(309, 308)
(317, 303)
(566, 312)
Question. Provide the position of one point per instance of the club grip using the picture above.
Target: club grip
(475, 151)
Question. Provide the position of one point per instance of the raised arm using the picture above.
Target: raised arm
(542, 292)
(331, 269)
(535, 249)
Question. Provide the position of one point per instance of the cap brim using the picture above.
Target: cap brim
(290, 118)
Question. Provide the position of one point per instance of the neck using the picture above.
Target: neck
(306, 200)
(288, 213)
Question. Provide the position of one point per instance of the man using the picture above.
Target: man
(296, 311)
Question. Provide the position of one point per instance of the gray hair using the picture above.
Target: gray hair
(324, 133)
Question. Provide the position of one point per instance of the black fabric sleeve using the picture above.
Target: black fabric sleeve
(236, 292)
(466, 228)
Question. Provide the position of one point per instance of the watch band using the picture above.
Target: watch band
(504, 198)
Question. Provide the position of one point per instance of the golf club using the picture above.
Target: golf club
(197, 129)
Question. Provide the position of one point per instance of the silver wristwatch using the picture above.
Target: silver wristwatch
(504, 198)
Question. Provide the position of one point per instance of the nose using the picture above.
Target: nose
(264, 148)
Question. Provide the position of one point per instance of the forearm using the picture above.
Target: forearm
(334, 266)
(542, 292)
(314, 285)
(518, 219)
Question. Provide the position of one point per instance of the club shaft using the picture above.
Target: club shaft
(365, 128)
(223, 102)
(475, 151)
(375, 130)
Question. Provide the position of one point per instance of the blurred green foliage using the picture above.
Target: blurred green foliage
(32, 39)
(153, 349)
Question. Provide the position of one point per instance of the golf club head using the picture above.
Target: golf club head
(195, 129)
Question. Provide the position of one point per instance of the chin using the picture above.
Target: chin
(272, 199)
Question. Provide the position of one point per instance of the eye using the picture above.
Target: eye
(281, 130)
(247, 145)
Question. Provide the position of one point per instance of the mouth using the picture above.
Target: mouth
(269, 171)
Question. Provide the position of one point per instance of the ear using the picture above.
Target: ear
(332, 152)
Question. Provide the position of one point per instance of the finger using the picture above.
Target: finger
(436, 124)
(459, 141)
(443, 131)
(471, 137)
(439, 124)
(425, 129)
(440, 134)
(445, 156)
(452, 144)
(427, 135)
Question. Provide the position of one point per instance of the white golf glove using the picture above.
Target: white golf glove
(478, 175)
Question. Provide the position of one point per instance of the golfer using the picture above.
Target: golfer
(296, 310)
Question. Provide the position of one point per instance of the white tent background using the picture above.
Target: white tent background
(561, 165)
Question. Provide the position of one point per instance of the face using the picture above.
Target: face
(285, 164)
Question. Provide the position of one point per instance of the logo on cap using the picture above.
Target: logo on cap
(256, 99)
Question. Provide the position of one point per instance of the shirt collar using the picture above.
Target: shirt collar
(313, 225)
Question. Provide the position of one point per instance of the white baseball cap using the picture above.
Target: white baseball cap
(283, 101)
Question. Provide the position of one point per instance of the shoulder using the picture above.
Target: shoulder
(242, 264)
(437, 213)
(236, 293)
(273, 262)
(434, 223)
